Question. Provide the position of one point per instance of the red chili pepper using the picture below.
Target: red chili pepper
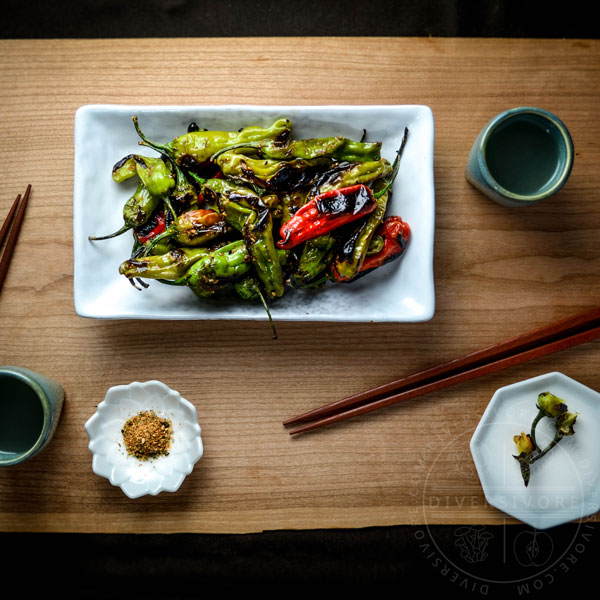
(326, 212)
(158, 228)
(395, 233)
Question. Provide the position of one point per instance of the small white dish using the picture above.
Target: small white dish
(151, 476)
(401, 291)
(565, 483)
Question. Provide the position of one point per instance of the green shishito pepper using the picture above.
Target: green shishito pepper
(273, 175)
(137, 211)
(290, 202)
(171, 265)
(248, 288)
(184, 196)
(316, 255)
(155, 183)
(217, 268)
(153, 172)
(355, 174)
(198, 227)
(337, 148)
(192, 228)
(124, 169)
(354, 250)
(246, 212)
(195, 148)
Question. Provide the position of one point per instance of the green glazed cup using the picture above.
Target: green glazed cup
(522, 156)
(30, 407)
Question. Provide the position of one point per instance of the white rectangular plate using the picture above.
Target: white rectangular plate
(402, 290)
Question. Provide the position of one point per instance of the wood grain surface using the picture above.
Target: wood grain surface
(498, 273)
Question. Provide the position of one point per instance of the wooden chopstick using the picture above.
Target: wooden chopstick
(12, 227)
(560, 335)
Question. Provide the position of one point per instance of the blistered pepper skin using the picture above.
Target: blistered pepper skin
(217, 267)
(353, 252)
(171, 265)
(136, 212)
(199, 227)
(270, 174)
(396, 234)
(336, 148)
(326, 212)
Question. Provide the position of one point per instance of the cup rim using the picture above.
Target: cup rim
(561, 177)
(16, 458)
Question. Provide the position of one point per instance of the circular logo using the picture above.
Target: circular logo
(480, 558)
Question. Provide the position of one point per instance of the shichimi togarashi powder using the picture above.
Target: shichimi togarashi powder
(146, 435)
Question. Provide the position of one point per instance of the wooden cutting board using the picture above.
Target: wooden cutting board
(498, 272)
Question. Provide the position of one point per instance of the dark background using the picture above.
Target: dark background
(391, 558)
(199, 18)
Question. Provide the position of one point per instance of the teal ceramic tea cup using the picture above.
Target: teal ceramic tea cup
(30, 407)
(522, 156)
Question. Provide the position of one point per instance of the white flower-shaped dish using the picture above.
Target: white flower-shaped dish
(140, 477)
(565, 483)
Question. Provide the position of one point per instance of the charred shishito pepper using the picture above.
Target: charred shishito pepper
(198, 227)
(246, 212)
(137, 211)
(217, 269)
(355, 247)
(155, 183)
(171, 265)
(337, 148)
(327, 212)
(269, 174)
(395, 234)
(184, 195)
(195, 148)
(153, 172)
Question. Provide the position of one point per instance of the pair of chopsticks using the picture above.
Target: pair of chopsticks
(10, 231)
(560, 335)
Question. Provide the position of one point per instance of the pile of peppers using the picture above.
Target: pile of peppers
(255, 212)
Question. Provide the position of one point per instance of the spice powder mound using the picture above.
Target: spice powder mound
(147, 435)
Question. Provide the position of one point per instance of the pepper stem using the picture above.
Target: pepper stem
(264, 303)
(166, 233)
(111, 235)
(162, 148)
(167, 201)
(537, 419)
(234, 147)
(547, 449)
(199, 180)
(395, 167)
